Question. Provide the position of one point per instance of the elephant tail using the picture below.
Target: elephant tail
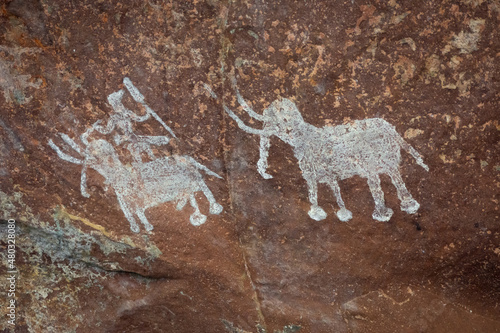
(412, 151)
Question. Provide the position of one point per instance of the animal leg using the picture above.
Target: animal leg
(181, 203)
(264, 153)
(316, 212)
(343, 214)
(144, 220)
(408, 204)
(215, 208)
(196, 218)
(381, 212)
(133, 225)
(83, 181)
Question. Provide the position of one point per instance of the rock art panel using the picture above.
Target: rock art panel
(144, 184)
(429, 69)
(365, 148)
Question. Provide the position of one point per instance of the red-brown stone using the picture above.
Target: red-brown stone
(429, 68)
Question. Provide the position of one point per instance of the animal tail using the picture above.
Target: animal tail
(202, 167)
(412, 151)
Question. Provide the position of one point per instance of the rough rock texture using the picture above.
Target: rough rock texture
(428, 68)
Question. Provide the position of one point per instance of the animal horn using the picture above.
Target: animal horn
(62, 155)
(244, 104)
(71, 143)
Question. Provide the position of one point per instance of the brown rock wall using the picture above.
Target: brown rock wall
(262, 264)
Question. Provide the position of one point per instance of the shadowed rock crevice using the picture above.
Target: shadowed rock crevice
(224, 50)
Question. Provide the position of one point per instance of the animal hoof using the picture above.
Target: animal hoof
(197, 219)
(134, 228)
(148, 227)
(410, 206)
(344, 214)
(382, 215)
(317, 213)
(215, 209)
(266, 175)
(181, 204)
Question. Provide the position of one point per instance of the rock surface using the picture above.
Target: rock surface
(262, 264)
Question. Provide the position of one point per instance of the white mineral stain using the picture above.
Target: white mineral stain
(467, 41)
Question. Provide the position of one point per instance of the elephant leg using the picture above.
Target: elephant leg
(381, 212)
(196, 218)
(343, 214)
(265, 144)
(128, 214)
(83, 181)
(144, 220)
(215, 208)
(408, 204)
(181, 203)
(316, 212)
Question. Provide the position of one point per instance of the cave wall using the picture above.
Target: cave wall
(146, 99)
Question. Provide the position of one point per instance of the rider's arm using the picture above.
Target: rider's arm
(109, 127)
(137, 118)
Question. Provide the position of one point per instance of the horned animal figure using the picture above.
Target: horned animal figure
(173, 178)
(366, 148)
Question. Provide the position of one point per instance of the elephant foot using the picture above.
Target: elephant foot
(344, 214)
(197, 219)
(410, 206)
(383, 214)
(317, 213)
(215, 208)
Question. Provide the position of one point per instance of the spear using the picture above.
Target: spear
(139, 98)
